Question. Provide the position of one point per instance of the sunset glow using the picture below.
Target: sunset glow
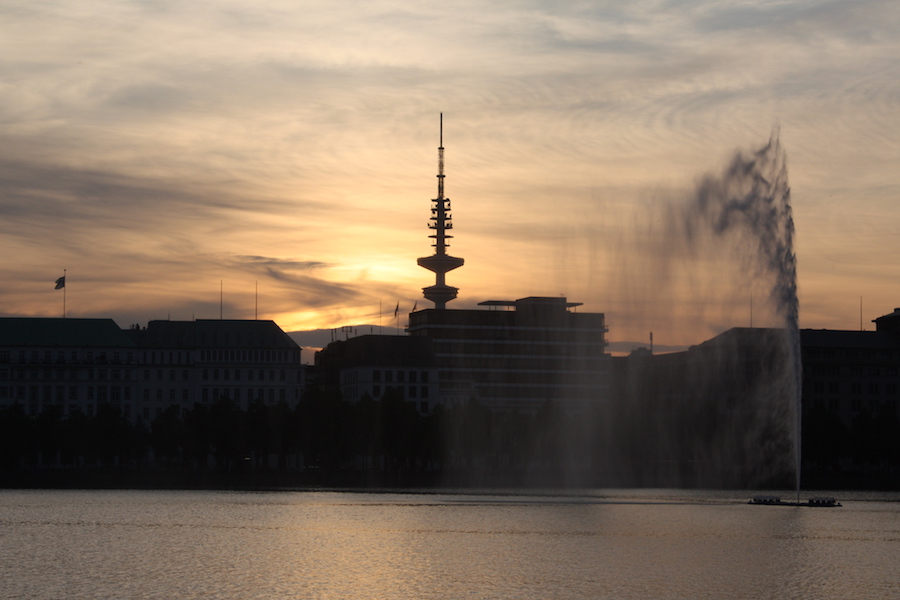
(186, 160)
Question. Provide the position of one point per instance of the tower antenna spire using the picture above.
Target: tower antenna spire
(441, 221)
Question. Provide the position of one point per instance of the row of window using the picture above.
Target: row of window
(854, 370)
(857, 388)
(401, 375)
(411, 391)
(148, 356)
(63, 374)
(244, 356)
(250, 374)
(237, 394)
(877, 354)
(60, 356)
(60, 394)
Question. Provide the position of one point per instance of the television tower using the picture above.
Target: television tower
(441, 220)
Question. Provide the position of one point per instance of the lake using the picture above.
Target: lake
(620, 544)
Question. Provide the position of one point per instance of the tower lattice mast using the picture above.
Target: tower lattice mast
(441, 221)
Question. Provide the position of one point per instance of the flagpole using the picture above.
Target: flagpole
(64, 293)
(397, 318)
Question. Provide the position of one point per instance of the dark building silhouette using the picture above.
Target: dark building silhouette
(517, 354)
(374, 365)
(532, 351)
(79, 364)
(725, 410)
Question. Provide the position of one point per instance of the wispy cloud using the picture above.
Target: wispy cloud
(159, 148)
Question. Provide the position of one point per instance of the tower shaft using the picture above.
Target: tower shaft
(441, 221)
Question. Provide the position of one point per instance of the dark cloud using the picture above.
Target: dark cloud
(150, 98)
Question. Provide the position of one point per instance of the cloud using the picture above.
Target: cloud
(294, 144)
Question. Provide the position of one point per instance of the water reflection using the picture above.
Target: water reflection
(622, 544)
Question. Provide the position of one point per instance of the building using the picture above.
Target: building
(75, 364)
(517, 354)
(848, 372)
(726, 409)
(374, 365)
(535, 350)
(79, 364)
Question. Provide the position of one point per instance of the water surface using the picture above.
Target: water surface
(603, 544)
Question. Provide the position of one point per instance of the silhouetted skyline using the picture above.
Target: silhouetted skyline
(159, 152)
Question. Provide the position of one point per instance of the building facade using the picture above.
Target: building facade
(374, 365)
(518, 354)
(848, 372)
(79, 364)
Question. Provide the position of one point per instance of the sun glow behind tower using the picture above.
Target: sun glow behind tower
(441, 221)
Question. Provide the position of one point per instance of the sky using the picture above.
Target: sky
(277, 159)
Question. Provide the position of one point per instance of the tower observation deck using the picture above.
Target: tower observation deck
(441, 221)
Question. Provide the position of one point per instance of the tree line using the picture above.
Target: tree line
(325, 440)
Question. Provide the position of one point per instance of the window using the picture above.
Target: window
(376, 375)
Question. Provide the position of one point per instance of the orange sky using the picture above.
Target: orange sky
(158, 151)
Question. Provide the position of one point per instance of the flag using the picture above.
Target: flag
(415, 305)
(60, 283)
(397, 310)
